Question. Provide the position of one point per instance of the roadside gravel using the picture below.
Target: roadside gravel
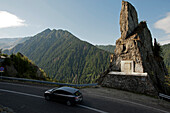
(129, 97)
(5, 110)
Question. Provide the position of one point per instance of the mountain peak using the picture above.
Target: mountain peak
(47, 30)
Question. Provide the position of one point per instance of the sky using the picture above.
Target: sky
(94, 21)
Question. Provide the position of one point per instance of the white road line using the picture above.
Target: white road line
(22, 85)
(26, 94)
(132, 103)
(97, 110)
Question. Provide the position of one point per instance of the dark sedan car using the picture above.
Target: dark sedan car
(68, 95)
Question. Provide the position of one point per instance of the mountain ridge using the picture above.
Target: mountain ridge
(64, 57)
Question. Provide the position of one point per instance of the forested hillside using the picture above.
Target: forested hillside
(166, 56)
(108, 48)
(64, 57)
(17, 65)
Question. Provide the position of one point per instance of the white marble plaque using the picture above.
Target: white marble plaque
(127, 66)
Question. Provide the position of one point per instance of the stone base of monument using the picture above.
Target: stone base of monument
(130, 74)
(138, 83)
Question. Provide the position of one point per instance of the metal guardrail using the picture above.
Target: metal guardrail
(164, 96)
(46, 82)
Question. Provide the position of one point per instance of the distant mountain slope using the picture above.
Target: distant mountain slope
(166, 55)
(108, 48)
(7, 43)
(64, 57)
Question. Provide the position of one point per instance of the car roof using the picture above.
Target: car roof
(68, 89)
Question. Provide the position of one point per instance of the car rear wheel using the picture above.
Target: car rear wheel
(68, 103)
(47, 97)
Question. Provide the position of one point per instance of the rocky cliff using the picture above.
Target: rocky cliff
(135, 48)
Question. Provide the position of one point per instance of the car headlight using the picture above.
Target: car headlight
(47, 92)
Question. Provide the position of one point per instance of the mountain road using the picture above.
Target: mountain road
(26, 98)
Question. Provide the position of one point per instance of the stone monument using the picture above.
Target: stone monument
(134, 66)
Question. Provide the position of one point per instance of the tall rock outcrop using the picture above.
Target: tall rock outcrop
(128, 19)
(134, 56)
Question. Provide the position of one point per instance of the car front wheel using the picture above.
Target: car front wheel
(47, 97)
(68, 103)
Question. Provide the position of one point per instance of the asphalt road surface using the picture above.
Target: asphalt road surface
(29, 99)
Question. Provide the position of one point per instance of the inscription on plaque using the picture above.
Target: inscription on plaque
(127, 66)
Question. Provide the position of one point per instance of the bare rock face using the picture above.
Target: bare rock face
(135, 45)
(128, 19)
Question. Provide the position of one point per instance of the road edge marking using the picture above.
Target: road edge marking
(21, 93)
(94, 109)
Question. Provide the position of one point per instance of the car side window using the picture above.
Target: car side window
(57, 91)
(66, 93)
(62, 92)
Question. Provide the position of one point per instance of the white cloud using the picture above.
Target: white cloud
(10, 20)
(164, 23)
(164, 40)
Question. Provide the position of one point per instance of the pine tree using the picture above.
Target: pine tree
(157, 49)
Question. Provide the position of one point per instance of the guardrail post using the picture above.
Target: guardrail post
(163, 96)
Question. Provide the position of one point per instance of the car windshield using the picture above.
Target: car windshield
(77, 93)
(53, 89)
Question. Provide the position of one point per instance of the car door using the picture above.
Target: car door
(57, 95)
